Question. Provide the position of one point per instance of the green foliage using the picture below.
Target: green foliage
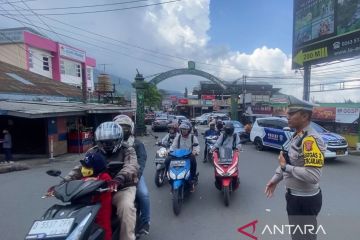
(152, 96)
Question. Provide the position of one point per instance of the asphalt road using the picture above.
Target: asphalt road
(203, 215)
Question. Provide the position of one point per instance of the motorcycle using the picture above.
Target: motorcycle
(160, 174)
(210, 141)
(226, 171)
(179, 177)
(75, 219)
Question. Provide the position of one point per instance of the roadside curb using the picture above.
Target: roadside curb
(356, 153)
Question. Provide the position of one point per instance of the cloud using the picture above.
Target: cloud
(175, 32)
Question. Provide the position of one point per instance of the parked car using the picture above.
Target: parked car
(180, 118)
(203, 119)
(149, 118)
(221, 116)
(160, 123)
(238, 127)
(274, 132)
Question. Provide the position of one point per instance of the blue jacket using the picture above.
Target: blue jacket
(211, 132)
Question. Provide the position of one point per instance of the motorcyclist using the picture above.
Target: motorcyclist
(194, 128)
(109, 141)
(185, 140)
(142, 193)
(219, 126)
(169, 138)
(228, 138)
(210, 132)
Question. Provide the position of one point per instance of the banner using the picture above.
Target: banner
(346, 115)
(324, 114)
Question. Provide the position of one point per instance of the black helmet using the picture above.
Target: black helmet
(219, 124)
(229, 128)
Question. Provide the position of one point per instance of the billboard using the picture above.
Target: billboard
(325, 30)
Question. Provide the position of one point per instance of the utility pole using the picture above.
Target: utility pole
(244, 93)
(104, 65)
(307, 73)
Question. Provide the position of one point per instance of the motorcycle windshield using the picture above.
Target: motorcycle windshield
(226, 155)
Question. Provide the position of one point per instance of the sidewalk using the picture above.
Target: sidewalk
(24, 164)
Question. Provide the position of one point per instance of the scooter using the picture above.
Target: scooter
(179, 177)
(210, 141)
(160, 174)
(226, 171)
(75, 219)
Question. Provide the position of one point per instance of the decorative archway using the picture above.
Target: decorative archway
(139, 85)
(187, 71)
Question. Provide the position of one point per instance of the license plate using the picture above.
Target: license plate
(177, 163)
(340, 152)
(50, 228)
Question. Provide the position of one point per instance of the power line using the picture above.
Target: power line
(88, 6)
(110, 50)
(156, 52)
(102, 11)
(37, 15)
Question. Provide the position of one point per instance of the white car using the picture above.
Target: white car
(203, 119)
(274, 132)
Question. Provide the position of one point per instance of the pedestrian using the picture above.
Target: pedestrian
(7, 145)
(301, 169)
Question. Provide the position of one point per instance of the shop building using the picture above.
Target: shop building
(29, 50)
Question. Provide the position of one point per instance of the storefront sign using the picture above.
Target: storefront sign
(261, 109)
(72, 53)
(173, 98)
(13, 36)
(347, 115)
(207, 97)
(183, 101)
(324, 114)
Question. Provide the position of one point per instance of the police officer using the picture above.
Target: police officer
(301, 169)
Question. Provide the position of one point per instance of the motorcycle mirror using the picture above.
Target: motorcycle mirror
(156, 137)
(53, 173)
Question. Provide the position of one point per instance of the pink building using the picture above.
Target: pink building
(28, 49)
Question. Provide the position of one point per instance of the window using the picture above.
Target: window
(70, 68)
(62, 67)
(31, 64)
(88, 74)
(46, 64)
(78, 70)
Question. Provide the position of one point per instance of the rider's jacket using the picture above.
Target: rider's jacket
(211, 132)
(168, 140)
(129, 172)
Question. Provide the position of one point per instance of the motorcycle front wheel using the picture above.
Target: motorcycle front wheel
(159, 177)
(226, 195)
(177, 200)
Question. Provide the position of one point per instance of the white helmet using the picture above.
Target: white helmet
(124, 120)
(109, 136)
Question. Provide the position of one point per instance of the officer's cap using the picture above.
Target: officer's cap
(299, 105)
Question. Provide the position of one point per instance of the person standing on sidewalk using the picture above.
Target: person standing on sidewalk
(301, 170)
(7, 145)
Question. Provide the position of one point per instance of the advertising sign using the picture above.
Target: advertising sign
(183, 101)
(261, 109)
(325, 30)
(207, 97)
(324, 114)
(347, 115)
(72, 53)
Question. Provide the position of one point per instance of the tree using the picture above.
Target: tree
(152, 96)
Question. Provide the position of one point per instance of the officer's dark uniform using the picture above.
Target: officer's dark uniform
(302, 174)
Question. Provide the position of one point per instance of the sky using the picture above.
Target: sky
(227, 38)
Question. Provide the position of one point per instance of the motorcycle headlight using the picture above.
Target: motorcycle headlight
(172, 175)
(181, 175)
(76, 234)
(162, 152)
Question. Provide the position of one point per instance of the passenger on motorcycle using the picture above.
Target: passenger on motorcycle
(142, 193)
(185, 140)
(94, 167)
(228, 138)
(210, 132)
(109, 140)
(173, 132)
